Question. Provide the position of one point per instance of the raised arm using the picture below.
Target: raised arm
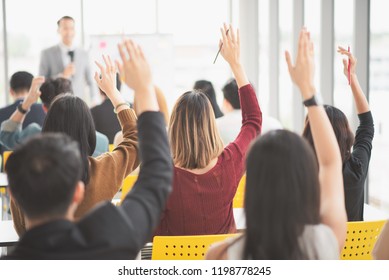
(144, 204)
(11, 130)
(251, 113)
(230, 50)
(359, 97)
(332, 207)
(365, 132)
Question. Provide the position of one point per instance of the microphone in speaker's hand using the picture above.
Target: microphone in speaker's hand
(71, 54)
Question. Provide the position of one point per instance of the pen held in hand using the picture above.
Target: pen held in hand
(221, 45)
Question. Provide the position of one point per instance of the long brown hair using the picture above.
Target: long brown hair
(342, 131)
(193, 135)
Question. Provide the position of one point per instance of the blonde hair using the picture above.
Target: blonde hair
(194, 137)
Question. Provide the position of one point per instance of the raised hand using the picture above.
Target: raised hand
(107, 80)
(136, 72)
(353, 62)
(134, 67)
(302, 73)
(230, 45)
(34, 93)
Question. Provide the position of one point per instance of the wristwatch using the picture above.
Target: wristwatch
(313, 101)
(21, 110)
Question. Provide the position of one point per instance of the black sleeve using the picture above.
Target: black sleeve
(363, 140)
(143, 206)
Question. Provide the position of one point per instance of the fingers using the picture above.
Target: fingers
(130, 48)
(288, 61)
(120, 69)
(97, 78)
(101, 67)
(121, 52)
(345, 63)
(232, 33)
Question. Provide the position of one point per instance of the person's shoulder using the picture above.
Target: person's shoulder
(50, 49)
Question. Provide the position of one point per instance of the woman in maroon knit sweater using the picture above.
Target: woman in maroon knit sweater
(206, 176)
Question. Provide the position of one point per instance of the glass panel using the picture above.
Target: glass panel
(286, 43)
(196, 33)
(344, 36)
(312, 20)
(120, 16)
(263, 90)
(379, 97)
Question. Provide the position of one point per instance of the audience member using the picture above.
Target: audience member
(45, 178)
(355, 163)
(294, 204)
(229, 125)
(103, 176)
(11, 133)
(68, 61)
(206, 176)
(104, 116)
(20, 84)
(207, 88)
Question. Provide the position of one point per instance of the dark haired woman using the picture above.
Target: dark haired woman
(355, 163)
(207, 88)
(294, 203)
(102, 176)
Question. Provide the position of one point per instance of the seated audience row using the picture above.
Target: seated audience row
(294, 200)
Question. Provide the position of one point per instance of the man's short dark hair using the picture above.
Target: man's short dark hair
(21, 81)
(52, 88)
(43, 173)
(231, 93)
(64, 18)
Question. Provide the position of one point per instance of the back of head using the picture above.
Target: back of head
(342, 131)
(207, 88)
(20, 82)
(52, 88)
(193, 134)
(42, 175)
(69, 114)
(231, 93)
(282, 195)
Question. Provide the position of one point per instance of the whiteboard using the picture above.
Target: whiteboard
(158, 49)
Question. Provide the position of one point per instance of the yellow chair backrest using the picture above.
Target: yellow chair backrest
(6, 155)
(184, 247)
(360, 240)
(111, 147)
(238, 201)
(128, 183)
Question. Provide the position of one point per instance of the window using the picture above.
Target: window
(120, 16)
(379, 98)
(344, 30)
(263, 90)
(286, 43)
(196, 32)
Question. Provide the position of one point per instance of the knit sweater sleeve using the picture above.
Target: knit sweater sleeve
(250, 129)
(109, 170)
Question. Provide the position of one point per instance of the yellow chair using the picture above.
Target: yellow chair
(184, 247)
(360, 240)
(128, 183)
(111, 147)
(238, 201)
(6, 155)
